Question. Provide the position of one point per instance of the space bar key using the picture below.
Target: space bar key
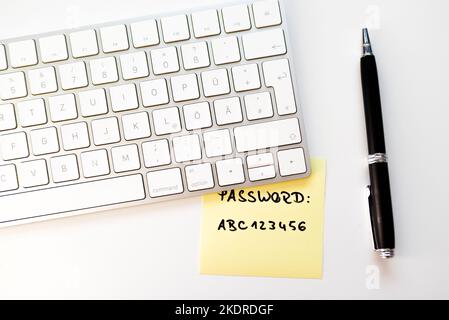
(73, 197)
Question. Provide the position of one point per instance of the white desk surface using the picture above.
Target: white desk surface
(153, 251)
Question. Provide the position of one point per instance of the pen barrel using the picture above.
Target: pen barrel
(381, 210)
(371, 100)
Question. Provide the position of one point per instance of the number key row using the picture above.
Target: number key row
(135, 65)
(104, 70)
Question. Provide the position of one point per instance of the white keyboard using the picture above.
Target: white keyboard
(145, 110)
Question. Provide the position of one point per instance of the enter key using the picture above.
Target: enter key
(277, 75)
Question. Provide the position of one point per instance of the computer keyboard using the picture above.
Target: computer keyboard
(145, 110)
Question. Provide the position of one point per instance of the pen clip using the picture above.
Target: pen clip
(369, 196)
(370, 205)
(371, 214)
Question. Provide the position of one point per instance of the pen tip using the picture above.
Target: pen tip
(366, 43)
(365, 36)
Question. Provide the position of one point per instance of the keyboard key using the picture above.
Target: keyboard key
(230, 171)
(266, 13)
(42, 202)
(187, 148)
(114, 38)
(263, 44)
(259, 160)
(8, 178)
(175, 28)
(12, 86)
(42, 80)
(123, 97)
(236, 18)
(197, 116)
(267, 135)
(62, 107)
(195, 55)
(156, 153)
(3, 61)
(95, 163)
(93, 102)
(291, 161)
(228, 111)
(53, 48)
(164, 60)
(14, 146)
(33, 173)
(225, 50)
(261, 173)
(277, 75)
(185, 87)
(215, 82)
(31, 112)
(22, 53)
(134, 65)
(136, 126)
(103, 70)
(125, 158)
(105, 131)
(205, 23)
(164, 182)
(44, 141)
(84, 43)
(246, 77)
(7, 117)
(258, 106)
(75, 136)
(73, 75)
(64, 168)
(217, 143)
(166, 121)
(144, 33)
(154, 92)
(199, 176)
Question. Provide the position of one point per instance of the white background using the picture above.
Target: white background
(153, 251)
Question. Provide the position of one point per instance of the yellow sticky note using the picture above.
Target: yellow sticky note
(276, 232)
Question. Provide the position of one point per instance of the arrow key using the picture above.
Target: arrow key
(291, 161)
(261, 173)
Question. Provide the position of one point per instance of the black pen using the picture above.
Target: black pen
(379, 200)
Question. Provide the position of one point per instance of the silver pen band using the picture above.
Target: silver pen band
(377, 158)
(385, 253)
